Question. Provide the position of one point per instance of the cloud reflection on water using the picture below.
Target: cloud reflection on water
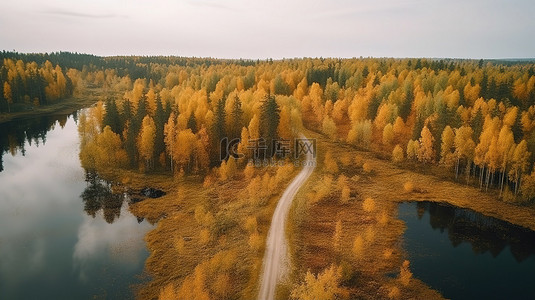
(47, 241)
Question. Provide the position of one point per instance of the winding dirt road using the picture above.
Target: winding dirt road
(276, 256)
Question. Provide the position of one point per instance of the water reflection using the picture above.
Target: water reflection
(482, 232)
(121, 245)
(98, 195)
(56, 236)
(466, 255)
(16, 135)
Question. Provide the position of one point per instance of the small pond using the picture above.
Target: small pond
(466, 255)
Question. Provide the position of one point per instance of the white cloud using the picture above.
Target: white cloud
(43, 226)
(121, 242)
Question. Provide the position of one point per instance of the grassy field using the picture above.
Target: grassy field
(210, 234)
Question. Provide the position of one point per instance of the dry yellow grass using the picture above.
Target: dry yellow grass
(368, 205)
(345, 159)
(405, 274)
(387, 254)
(196, 220)
(251, 224)
(369, 234)
(168, 292)
(370, 226)
(394, 293)
(358, 247)
(179, 244)
(359, 161)
(337, 235)
(367, 167)
(344, 197)
(204, 237)
(408, 186)
(383, 218)
(255, 241)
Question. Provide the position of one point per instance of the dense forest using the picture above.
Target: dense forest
(28, 84)
(29, 80)
(473, 118)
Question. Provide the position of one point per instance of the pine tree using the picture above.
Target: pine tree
(133, 128)
(141, 112)
(192, 123)
(159, 122)
(126, 114)
(269, 121)
(218, 127)
(111, 117)
(236, 116)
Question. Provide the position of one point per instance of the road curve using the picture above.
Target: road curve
(276, 256)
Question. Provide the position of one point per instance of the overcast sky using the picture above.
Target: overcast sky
(273, 28)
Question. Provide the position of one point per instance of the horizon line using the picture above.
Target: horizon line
(273, 58)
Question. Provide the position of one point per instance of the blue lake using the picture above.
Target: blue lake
(466, 255)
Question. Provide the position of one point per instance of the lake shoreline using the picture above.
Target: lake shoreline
(69, 105)
(235, 223)
(381, 256)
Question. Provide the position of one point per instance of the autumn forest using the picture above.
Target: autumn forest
(387, 130)
(473, 118)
